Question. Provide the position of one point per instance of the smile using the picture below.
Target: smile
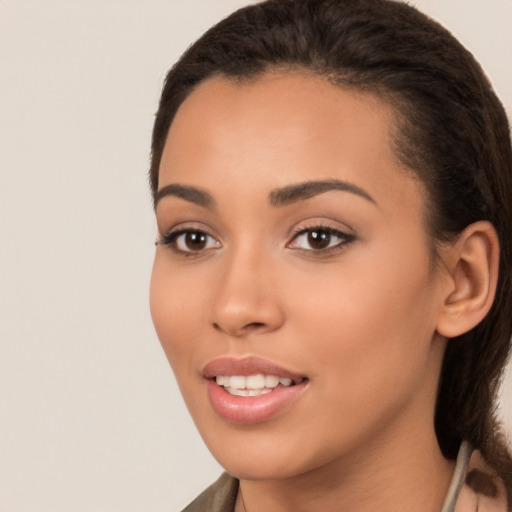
(252, 385)
(251, 390)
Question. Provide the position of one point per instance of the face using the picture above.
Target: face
(292, 288)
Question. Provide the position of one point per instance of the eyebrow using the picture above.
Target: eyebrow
(279, 197)
(191, 194)
(309, 189)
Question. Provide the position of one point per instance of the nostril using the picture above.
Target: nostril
(252, 326)
(255, 325)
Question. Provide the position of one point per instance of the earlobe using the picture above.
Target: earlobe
(472, 263)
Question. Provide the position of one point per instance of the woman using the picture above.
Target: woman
(332, 281)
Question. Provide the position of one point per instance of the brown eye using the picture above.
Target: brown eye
(189, 241)
(195, 241)
(319, 239)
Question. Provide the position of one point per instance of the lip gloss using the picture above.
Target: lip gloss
(251, 409)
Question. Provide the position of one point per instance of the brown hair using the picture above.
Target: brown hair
(453, 135)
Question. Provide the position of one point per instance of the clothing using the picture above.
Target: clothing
(219, 497)
(475, 487)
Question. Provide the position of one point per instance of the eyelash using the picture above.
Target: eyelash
(171, 240)
(344, 239)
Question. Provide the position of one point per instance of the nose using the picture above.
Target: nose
(247, 298)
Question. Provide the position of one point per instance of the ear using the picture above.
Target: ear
(472, 264)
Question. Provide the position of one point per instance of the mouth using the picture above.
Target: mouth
(254, 385)
(251, 390)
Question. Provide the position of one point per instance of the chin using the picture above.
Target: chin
(251, 469)
(257, 455)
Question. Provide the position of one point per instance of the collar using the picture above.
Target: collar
(459, 475)
(475, 487)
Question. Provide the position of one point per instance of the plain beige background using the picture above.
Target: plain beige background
(90, 416)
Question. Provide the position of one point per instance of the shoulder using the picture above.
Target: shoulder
(483, 489)
(219, 497)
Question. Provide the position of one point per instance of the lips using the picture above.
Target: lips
(251, 390)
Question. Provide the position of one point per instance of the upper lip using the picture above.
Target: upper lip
(247, 366)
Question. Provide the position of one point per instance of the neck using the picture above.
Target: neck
(399, 472)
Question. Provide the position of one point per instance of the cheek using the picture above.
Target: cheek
(176, 310)
(368, 322)
(367, 345)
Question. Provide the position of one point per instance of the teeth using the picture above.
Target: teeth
(238, 381)
(271, 381)
(223, 380)
(256, 392)
(255, 382)
(237, 392)
(248, 392)
(251, 385)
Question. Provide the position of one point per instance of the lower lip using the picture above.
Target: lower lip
(252, 409)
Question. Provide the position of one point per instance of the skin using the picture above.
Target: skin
(359, 319)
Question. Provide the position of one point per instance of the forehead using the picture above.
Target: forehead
(281, 128)
(286, 110)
